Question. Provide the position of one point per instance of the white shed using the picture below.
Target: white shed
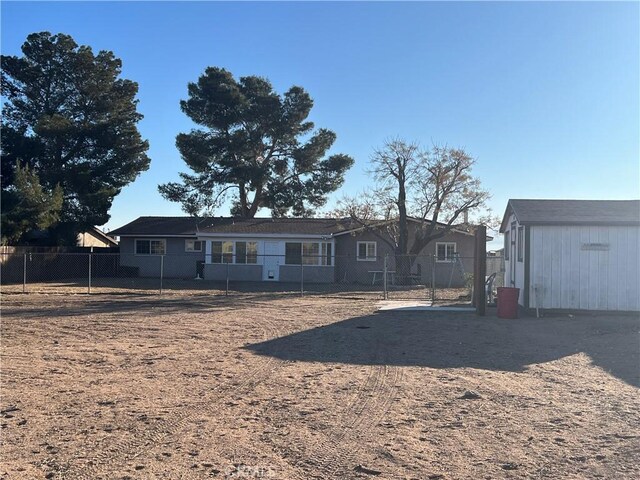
(573, 254)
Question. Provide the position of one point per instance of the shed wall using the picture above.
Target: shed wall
(585, 267)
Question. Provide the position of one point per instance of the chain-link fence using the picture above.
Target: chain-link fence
(401, 277)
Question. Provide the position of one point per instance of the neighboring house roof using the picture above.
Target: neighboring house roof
(43, 236)
(190, 226)
(96, 232)
(572, 212)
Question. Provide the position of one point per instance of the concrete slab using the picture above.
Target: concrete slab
(414, 306)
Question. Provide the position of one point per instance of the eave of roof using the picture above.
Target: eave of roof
(572, 212)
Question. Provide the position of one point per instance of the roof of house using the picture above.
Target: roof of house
(190, 226)
(96, 232)
(573, 212)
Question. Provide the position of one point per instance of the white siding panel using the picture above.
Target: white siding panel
(603, 270)
(564, 274)
(621, 261)
(633, 270)
(613, 280)
(553, 291)
(536, 268)
(593, 273)
(583, 272)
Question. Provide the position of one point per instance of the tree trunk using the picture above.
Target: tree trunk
(403, 260)
(243, 201)
(257, 198)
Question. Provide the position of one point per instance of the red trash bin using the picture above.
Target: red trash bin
(508, 302)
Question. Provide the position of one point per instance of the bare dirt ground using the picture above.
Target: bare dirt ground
(259, 386)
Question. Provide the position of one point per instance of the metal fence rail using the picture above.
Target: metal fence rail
(425, 278)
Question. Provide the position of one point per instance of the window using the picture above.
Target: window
(221, 252)
(520, 243)
(366, 251)
(308, 253)
(246, 252)
(193, 245)
(293, 253)
(326, 254)
(445, 251)
(150, 247)
(507, 245)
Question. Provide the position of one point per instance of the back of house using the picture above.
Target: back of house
(320, 250)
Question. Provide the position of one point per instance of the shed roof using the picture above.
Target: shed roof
(573, 212)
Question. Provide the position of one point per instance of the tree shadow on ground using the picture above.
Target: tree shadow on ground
(456, 340)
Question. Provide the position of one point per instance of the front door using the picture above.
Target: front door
(271, 261)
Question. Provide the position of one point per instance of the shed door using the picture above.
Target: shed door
(271, 263)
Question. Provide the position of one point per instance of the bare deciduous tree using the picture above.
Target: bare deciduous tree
(432, 188)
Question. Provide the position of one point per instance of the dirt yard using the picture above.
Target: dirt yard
(128, 387)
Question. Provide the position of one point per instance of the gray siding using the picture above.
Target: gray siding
(347, 269)
(177, 262)
(312, 274)
(217, 271)
(350, 270)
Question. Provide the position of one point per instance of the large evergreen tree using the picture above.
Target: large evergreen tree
(71, 121)
(257, 146)
(26, 206)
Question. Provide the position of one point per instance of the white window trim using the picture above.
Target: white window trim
(367, 258)
(135, 246)
(193, 240)
(446, 259)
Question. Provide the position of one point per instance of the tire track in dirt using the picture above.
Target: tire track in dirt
(335, 460)
(333, 455)
(369, 408)
(128, 449)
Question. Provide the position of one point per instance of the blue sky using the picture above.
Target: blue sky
(544, 95)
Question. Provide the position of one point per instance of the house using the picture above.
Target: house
(573, 254)
(90, 237)
(322, 250)
(94, 237)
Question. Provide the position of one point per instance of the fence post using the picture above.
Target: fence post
(302, 276)
(480, 271)
(89, 283)
(24, 275)
(226, 293)
(161, 272)
(385, 293)
(433, 278)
